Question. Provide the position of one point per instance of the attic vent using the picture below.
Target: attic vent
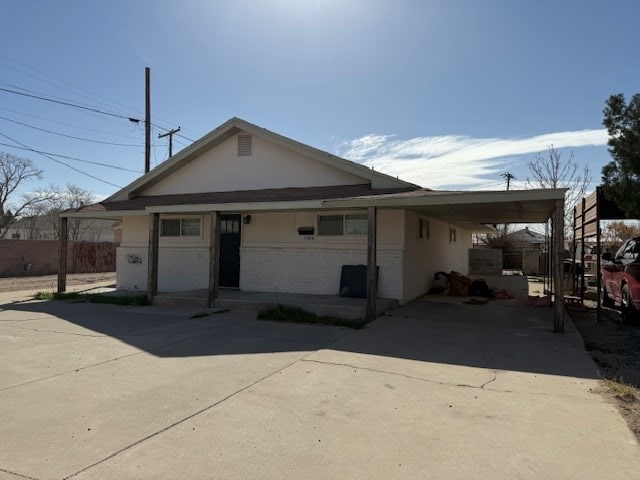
(244, 145)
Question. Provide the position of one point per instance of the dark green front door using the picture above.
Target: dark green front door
(230, 250)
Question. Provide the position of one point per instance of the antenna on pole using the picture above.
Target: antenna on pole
(147, 120)
(170, 135)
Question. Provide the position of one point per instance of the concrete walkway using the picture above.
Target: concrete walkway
(432, 390)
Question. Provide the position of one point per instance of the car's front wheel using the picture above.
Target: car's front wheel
(628, 310)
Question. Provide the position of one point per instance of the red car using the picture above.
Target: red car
(621, 279)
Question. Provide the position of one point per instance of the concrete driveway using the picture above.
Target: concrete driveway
(433, 390)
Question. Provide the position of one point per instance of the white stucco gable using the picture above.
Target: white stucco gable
(212, 164)
(269, 165)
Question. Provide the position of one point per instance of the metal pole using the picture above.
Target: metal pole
(372, 281)
(582, 286)
(598, 254)
(147, 119)
(62, 256)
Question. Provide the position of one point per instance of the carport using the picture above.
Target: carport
(475, 211)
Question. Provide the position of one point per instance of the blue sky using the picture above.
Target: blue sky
(447, 94)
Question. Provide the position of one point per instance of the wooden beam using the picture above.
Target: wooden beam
(214, 258)
(154, 244)
(558, 266)
(62, 256)
(372, 280)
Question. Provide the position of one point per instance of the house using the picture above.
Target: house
(246, 208)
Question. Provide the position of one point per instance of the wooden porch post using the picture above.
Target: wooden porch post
(558, 266)
(214, 258)
(152, 272)
(62, 257)
(372, 280)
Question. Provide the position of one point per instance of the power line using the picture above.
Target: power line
(72, 158)
(79, 88)
(70, 136)
(69, 124)
(59, 80)
(60, 161)
(69, 104)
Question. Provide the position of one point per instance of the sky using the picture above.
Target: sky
(446, 94)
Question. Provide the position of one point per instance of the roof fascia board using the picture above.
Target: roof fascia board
(113, 214)
(449, 199)
(233, 207)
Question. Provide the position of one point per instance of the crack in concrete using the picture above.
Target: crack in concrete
(56, 331)
(411, 377)
(188, 417)
(17, 474)
(160, 347)
(495, 376)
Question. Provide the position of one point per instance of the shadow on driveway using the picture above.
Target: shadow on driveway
(500, 335)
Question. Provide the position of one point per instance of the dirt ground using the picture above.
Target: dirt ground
(49, 282)
(615, 347)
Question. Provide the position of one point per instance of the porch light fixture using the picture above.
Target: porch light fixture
(247, 219)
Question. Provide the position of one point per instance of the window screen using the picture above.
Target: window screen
(170, 227)
(190, 227)
(180, 227)
(330, 225)
(355, 224)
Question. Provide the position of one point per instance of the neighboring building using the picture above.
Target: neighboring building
(46, 228)
(291, 216)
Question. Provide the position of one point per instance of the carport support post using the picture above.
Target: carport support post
(372, 280)
(62, 257)
(558, 266)
(152, 273)
(214, 258)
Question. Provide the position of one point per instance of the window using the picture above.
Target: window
(452, 235)
(244, 145)
(355, 224)
(338, 225)
(330, 225)
(180, 227)
(423, 229)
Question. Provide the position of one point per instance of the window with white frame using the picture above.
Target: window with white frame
(452, 235)
(423, 228)
(180, 227)
(338, 225)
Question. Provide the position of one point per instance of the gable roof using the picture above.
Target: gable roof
(232, 127)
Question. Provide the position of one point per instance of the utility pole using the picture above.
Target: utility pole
(509, 176)
(147, 120)
(170, 135)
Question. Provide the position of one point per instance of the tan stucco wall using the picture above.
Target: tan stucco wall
(270, 166)
(423, 258)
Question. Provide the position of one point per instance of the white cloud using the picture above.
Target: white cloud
(455, 160)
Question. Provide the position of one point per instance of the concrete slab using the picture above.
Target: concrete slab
(433, 389)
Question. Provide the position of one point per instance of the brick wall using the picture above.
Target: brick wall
(485, 261)
(314, 270)
(40, 257)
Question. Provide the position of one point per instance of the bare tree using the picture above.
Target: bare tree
(15, 172)
(550, 170)
(73, 197)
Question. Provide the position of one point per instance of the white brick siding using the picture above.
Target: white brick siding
(314, 270)
(179, 269)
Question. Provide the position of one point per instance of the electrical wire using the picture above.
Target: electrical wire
(60, 161)
(61, 81)
(100, 164)
(70, 124)
(69, 104)
(71, 136)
